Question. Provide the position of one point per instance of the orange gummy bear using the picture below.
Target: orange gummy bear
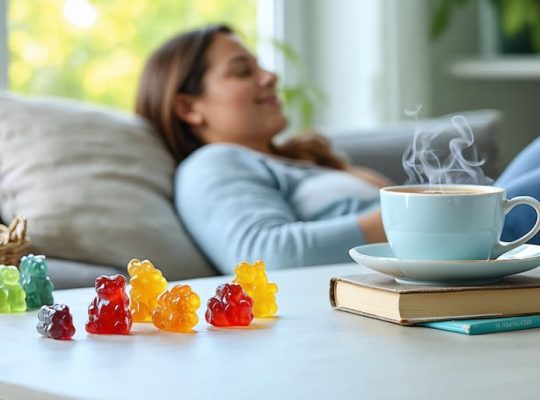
(252, 278)
(147, 283)
(176, 310)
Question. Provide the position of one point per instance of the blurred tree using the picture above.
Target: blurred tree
(94, 50)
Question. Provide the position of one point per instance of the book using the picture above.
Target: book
(380, 296)
(486, 325)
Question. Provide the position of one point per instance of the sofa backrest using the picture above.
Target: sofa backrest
(382, 147)
(95, 186)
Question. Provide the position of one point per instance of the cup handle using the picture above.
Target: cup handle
(503, 247)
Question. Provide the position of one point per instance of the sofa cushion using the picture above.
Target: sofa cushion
(95, 185)
(72, 274)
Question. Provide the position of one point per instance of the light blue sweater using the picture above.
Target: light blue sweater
(239, 204)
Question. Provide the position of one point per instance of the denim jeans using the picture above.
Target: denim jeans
(522, 178)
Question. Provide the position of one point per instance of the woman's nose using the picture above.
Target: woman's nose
(268, 78)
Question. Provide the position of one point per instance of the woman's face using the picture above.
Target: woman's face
(239, 102)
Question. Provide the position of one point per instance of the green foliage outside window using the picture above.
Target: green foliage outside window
(519, 22)
(94, 50)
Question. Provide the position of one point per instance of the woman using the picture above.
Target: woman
(241, 196)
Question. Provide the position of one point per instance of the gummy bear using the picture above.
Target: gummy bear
(147, 283)
(109, 311)
(11, 292)
(35, 282)
(231, 306)
(252, 278)
(176, 310)
(56, 322)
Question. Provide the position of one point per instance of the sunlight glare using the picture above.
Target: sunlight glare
(80, 13)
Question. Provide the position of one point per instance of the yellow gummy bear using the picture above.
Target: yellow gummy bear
(252, 278)
(177, 309)
(147, 283)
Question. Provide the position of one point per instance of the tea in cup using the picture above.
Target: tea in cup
(450, 222)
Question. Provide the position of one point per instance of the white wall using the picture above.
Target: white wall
(342, 57)
(406, 25)
(368, 57)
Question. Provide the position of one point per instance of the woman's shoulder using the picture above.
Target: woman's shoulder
(217, 153)
(221, 158)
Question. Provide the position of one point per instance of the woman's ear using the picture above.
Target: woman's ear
(184, 108)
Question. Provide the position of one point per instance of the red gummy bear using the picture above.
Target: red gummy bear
(56, 322)
(109, 311)
(231, 306)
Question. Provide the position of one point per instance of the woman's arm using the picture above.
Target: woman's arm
(232, 205)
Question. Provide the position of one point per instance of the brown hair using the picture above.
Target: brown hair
(178, 66)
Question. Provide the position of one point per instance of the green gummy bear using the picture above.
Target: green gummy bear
(11, 292)
(35, 282)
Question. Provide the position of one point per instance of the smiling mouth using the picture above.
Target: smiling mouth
(272, 100)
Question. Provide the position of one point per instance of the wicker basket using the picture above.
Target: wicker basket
(13, 241)
(11, 254)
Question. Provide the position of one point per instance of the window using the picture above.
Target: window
(95, 49)
(3, 45)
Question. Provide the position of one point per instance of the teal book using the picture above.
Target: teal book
(486, 325)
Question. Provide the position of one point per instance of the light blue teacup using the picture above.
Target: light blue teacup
(450, 222)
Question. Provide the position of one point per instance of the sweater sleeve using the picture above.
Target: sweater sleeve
(231, 204)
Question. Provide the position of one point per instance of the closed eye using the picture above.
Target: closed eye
(242, 65)
(242, 71)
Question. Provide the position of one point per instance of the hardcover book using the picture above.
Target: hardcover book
(380, 296)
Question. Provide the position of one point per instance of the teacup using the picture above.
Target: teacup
(450, 222)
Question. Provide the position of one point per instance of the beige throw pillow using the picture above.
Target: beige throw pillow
(94, 184)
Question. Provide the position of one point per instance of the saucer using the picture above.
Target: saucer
(379, 257)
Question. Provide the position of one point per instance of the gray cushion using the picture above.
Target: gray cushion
(94, 184)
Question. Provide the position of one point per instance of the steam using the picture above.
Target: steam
(423, 160)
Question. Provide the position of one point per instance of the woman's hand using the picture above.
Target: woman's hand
(371, 224)
(372, 227)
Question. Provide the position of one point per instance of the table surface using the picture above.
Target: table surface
(308, 351)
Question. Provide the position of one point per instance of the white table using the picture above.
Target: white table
(309, 351)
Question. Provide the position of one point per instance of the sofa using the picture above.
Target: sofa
(95, 184)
